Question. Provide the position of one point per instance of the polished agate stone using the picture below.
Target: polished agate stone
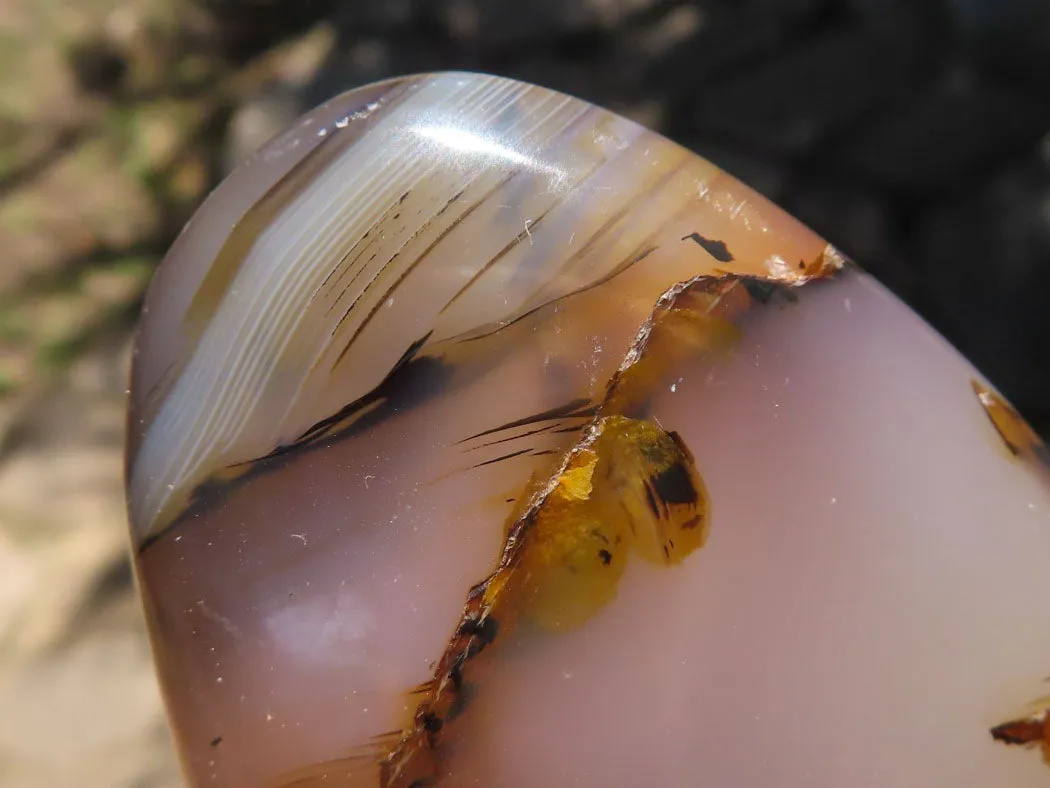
(479, 436)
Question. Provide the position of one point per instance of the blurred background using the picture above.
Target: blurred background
(914, 135)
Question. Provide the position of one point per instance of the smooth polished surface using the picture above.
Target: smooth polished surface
(438, 208)
(386, 331)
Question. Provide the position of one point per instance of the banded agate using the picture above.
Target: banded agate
(480, 436)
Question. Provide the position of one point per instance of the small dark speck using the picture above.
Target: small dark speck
(216, 741)
(763, 292)
(431, 723)
(510, 500)
(674, 485)
(485, 630)
(605, 556)
(801, 265)
(760, 291)
(717, 249)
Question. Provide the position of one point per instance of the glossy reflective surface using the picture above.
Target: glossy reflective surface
(373, 373)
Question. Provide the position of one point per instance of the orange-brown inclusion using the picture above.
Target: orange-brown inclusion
(1020, 439)
(564, 554)
(628, 485)
(1032, 728)
(1029, 730)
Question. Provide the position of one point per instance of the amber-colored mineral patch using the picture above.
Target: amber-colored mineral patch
(628, 485)
(1032, 729)
(1020, 439)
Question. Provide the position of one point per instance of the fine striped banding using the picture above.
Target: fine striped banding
(443, 208)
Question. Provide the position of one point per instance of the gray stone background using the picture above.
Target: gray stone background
(912, 134)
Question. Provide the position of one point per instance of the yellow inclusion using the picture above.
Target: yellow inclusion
(575, 483)
(649, 478)
(636, 488)
(574, 557)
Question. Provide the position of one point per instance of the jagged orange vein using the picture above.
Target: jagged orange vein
(627, 485)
